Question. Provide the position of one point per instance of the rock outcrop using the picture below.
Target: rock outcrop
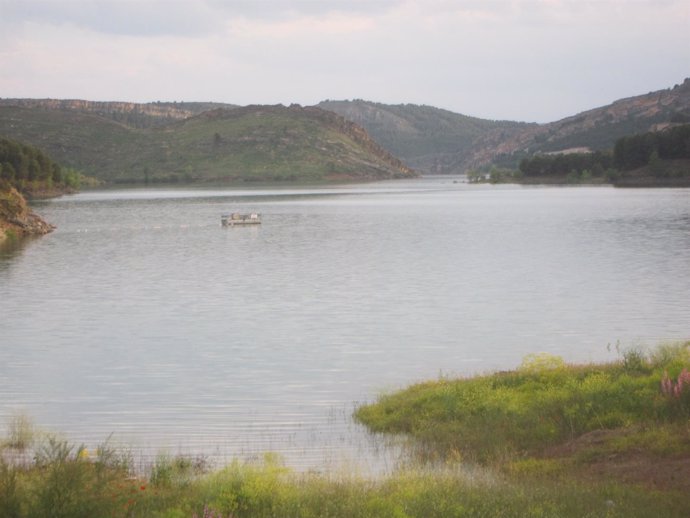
(17, 219)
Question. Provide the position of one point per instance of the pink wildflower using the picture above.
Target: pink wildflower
(666, 385)
(675, 390)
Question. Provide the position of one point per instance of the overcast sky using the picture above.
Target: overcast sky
(531, 60)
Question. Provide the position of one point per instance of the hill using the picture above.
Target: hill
(254, 143)
(438, 141)
(593, 130)
(431, 140)
(126, 142)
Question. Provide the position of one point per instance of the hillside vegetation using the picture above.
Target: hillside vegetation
(254, 143)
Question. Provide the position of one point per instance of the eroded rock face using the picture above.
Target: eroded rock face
(16, 218)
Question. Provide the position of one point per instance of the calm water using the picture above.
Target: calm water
(142, 317)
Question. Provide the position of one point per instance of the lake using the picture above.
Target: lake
(142, 317)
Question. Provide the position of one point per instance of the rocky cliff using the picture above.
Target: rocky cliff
(17, 219)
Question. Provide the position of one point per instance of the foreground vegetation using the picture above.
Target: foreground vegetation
(628, 420)
(537, 434)
(63, 481)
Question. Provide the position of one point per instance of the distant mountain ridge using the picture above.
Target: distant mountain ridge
(438, 141)
(427, 139)
(141, 115)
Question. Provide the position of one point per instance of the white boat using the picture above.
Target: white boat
(230, 220)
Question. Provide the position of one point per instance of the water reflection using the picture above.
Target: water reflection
(11, 248)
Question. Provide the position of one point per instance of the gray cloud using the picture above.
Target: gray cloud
(271, 9)
(123, 17)
(173, 17)
(517, 59)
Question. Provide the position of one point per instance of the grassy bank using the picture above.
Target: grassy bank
(628, 420)
(546, 440)
(63, 481)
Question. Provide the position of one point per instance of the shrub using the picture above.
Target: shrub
(540, 362)
(20, 432)
(670, 355)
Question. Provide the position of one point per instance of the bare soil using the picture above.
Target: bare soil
(632, 466)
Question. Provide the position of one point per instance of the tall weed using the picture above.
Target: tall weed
(20, 432)
(10, 495)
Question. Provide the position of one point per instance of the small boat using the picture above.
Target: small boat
(230, 220)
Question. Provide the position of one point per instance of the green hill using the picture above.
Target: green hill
(254, 143)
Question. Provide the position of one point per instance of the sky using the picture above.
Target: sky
(527, 60)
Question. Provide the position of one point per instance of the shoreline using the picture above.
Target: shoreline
(628, 471)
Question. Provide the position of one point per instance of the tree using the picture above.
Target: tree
(26, 166)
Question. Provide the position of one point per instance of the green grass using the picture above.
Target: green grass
(65, 481)
(543, 403)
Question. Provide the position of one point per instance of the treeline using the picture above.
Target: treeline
(633, 152)
(596, 164)
(639, 150)
(29, 169)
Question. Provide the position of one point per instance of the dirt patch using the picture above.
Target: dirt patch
(649, 471)
(594, 457)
